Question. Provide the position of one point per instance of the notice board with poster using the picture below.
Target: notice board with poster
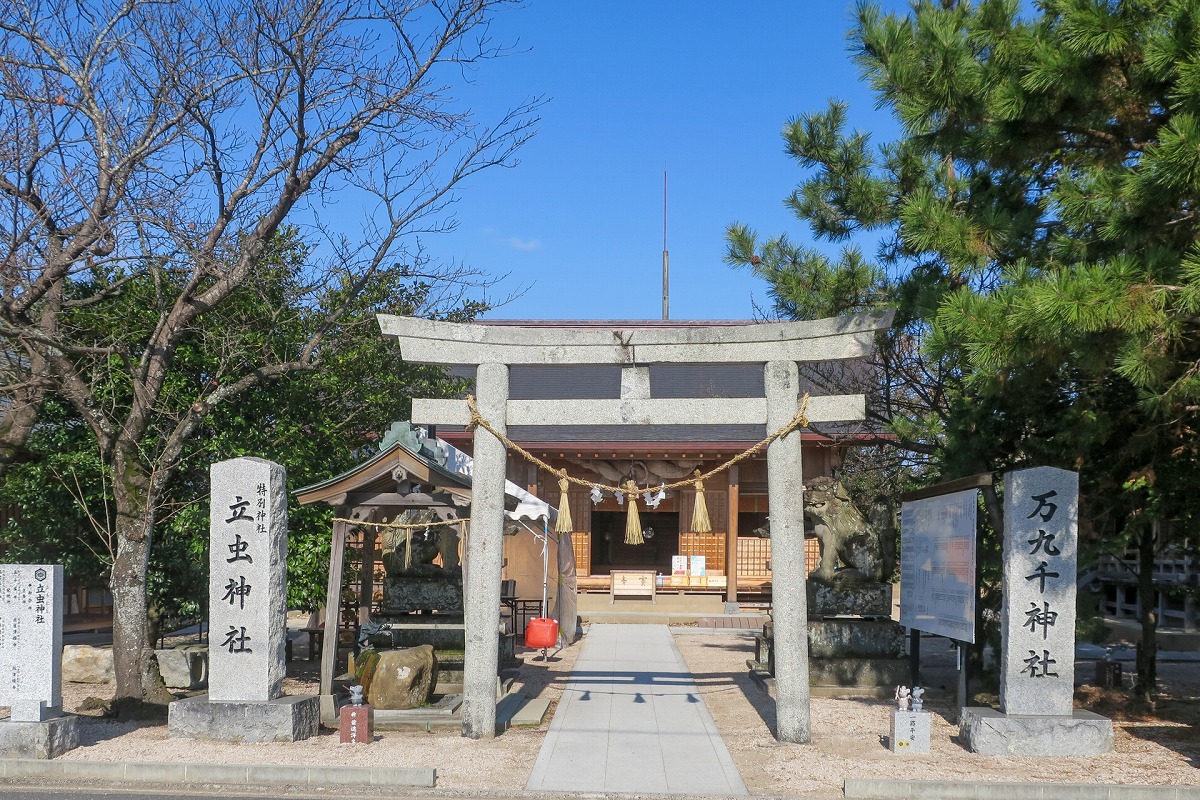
(937, 564)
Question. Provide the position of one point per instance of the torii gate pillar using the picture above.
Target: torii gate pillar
(485, 556)
(789, 597)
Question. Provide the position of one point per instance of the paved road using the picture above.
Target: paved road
(72, 793)
(632, 720)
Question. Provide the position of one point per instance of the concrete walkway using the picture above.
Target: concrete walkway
(631, 720)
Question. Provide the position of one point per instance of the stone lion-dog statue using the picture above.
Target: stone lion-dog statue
(844, 535)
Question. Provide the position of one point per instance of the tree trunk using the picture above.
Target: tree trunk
(995, 510)
(1147, 649)
(137, 676)
(987, 603)
(129, 612)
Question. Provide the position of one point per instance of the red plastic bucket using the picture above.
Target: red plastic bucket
(541, 633)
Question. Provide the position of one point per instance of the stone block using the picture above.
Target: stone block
(764, 653)
(412, 591)
(990, 732)
(911, 731)
(184, 667)
(356, 724)
(403, 678)
(846, 599)
(43, 740)
(83, 663)
(443, 635)
(855, 638)
(285, 719)
(857, 671)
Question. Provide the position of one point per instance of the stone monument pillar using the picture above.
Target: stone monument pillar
(1037, 634)
(31, 609)
(247, 599)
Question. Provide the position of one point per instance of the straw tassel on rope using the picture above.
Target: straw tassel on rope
(700, 521)
(633, 523)
(564, 523)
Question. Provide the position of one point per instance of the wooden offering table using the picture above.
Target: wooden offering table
(632, 583)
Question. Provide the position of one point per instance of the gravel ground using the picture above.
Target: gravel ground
(849, 736)
(1160, 748)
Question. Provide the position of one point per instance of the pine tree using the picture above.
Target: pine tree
(1038, 227)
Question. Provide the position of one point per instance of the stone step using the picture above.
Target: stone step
(741, 621)
(531, 713)
(507, 708)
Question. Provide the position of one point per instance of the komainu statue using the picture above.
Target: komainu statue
(844, 534)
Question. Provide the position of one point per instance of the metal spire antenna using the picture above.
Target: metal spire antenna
(666, 308)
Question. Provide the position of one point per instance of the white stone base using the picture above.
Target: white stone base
(911, 731)
(286, 719)
(991, 733)
(48, 739)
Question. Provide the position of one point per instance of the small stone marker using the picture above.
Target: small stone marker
(910, 727)
(1037, 628)
(31, 663)
(247, 598)
(911, 731)
(357, 720)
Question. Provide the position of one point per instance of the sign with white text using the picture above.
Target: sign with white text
(937, 565)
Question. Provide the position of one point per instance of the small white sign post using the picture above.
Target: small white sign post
(31, 608)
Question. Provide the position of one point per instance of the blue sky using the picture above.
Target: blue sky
(700, 89)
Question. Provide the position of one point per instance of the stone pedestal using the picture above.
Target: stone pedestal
(858, 599)
(910, 731)
(421, 589)
(357, 724)
(993, 733)
(284, 719)
(864, 673)
(855, 638)
(48, 739)
(852, 641)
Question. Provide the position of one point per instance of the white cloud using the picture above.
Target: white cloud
(517, 243)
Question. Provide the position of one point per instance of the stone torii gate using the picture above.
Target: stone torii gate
(492, 349)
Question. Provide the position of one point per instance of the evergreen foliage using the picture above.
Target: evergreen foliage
(1038, 231)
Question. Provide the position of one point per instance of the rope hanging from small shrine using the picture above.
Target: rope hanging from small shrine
(403, 525)
(408, 528)
(629, 489)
